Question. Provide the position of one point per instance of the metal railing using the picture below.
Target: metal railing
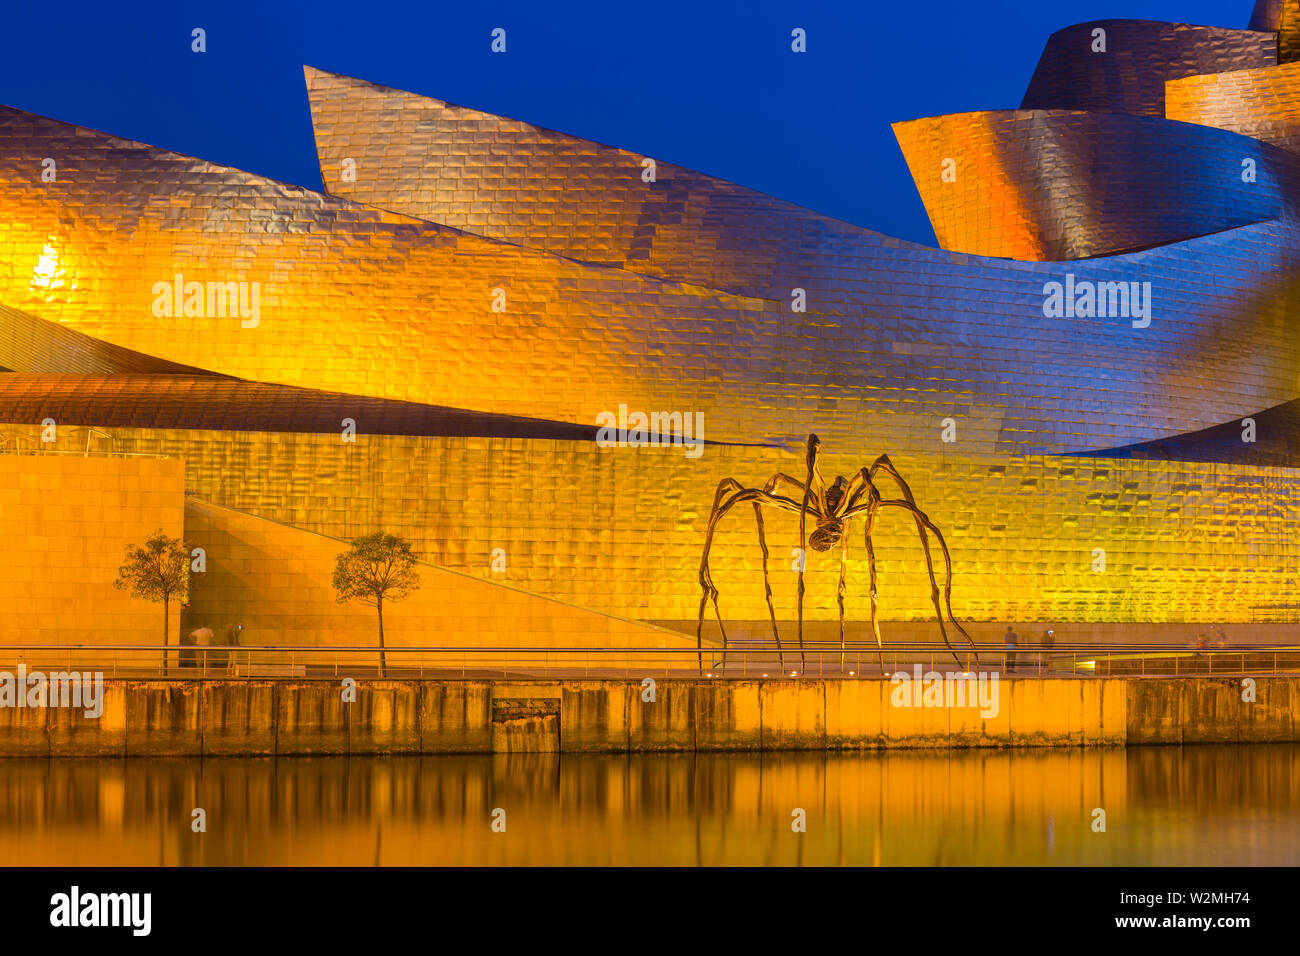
(738, 660)
(93, 453)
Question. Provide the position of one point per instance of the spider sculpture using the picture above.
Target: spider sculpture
(833, 509)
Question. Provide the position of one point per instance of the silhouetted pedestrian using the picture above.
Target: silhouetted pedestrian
(1011, 639)
(1048, 641)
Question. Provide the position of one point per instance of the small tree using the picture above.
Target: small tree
(377, 567)
(159, 571)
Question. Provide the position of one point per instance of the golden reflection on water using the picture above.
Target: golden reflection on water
(1164, 806)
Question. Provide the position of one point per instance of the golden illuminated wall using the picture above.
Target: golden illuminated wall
(1263, 103)
(351, 299)
(896, 340)
(620, 531)
(275, 580)
(67, 523)
(513, 180)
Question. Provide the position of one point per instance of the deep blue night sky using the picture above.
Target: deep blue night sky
(708, 84)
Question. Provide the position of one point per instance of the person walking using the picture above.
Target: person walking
(1048, 642)
(199, 637)
(1011, 639)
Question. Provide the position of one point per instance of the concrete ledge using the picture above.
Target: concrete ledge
(264, 717)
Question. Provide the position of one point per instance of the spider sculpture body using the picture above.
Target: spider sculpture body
(833, 510)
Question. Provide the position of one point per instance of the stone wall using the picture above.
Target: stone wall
(156, 718)
(68, 520)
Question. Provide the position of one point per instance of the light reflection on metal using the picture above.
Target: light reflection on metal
(1129, 75)
(1263, 104)
(1052, 185)
(359, 299)
(834, 509)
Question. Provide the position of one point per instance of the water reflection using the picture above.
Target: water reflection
(1165, 806)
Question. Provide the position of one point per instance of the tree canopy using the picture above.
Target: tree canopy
(377, 568)
(157, 571)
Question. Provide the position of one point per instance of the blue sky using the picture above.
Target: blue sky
(708, 84)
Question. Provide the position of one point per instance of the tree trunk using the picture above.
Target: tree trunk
(379, 605)
(167, 609)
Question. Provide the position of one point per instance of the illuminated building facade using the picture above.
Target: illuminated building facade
(1065, 382)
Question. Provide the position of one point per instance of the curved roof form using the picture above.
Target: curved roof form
(1267, 14)
(1128, 75)
(1270, 438)
(1069, 185)
(31, 344)
(225, 404)
(1263, 104)
(357, 298)
(551, 191)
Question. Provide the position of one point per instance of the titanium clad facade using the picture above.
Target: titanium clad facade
(474, 293)
(914, 332)
(1069, 185)
(1263, 104)
(1124, 68)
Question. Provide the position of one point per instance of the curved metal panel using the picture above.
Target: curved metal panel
(1068, 185)
(218, 403)
(1267, 15)
(1269, 438)
(362, 301)
(1124, 69)
(1263, 104)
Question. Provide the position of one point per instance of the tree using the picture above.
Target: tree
(159, 571)
(376, 568)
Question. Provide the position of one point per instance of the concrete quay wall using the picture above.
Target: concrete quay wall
(266, 717)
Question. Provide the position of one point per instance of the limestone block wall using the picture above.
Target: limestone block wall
(67, 521)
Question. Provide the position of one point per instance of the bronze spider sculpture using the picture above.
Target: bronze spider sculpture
(833, 509)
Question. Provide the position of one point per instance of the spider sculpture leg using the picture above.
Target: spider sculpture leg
(767, 583)
(729, 494)
(871, 571)
(813, 484)
(850, 506)
(844, 570)
(706, 579)
(924, 524)
(862, 484)
(775, 481)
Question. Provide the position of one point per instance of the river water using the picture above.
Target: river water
(1162, 806)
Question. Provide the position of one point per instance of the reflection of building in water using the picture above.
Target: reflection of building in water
(1164, 806)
